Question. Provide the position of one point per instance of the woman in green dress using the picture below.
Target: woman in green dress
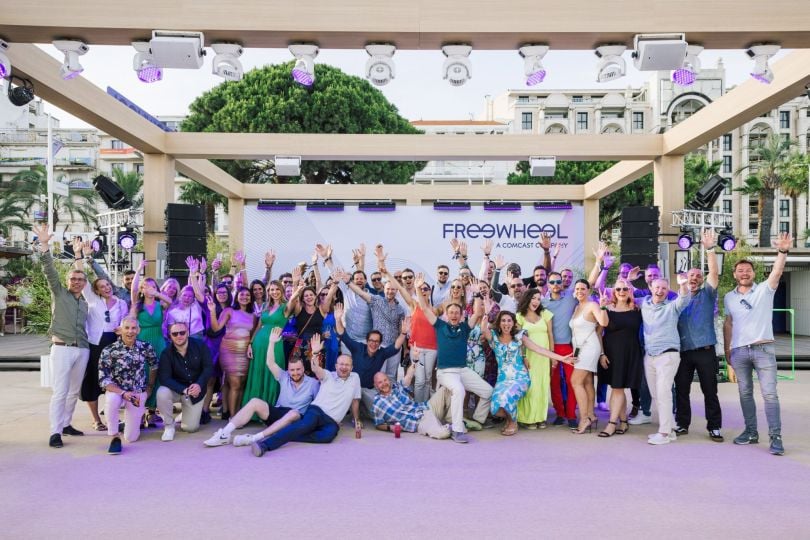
(533, 407)
(260, 381)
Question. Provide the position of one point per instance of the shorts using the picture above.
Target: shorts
(276, 414)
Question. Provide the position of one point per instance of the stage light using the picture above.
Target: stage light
(611, 64)
(127, 239)
(685, 240)
(226, 63)
(267, 204)
(533, 63)
(303, 72)
(542, 165)
(99, 244)
(173, 49)
(377, 206)
(502, 206)
(380, 65)
(726, 240)
(21, 94)
(457, 67)
(553, 205)
(287, 165)
(325, 206)
(708, 194)
(658, 52)
(144, 63)
(452, 206)
(111, 193)
(5, 63)
(72, 49)
(688, 72)
(761, 54)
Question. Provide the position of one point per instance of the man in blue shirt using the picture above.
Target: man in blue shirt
(296, 393)
(696, 328)
(748, 333)
(562, 305)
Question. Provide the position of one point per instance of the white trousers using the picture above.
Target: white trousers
(132, 415)
(459, 381)
(660, 372)
(190, 421)
(424, 372)
(67, 371)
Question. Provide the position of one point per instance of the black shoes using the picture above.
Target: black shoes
(681, 430)
(559, 421)
(776, 447)
(205, 418)
(115, 446)
(55, 441)
(70, 430)
(747, 437)
(715, 435)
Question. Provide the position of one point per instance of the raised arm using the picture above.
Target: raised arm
(316, 271)
(782, 245)
(500, 262)
(598, 268)
(428, 312)
(478, 311)
(486, 332)
(359, 258)
(709, 241)
(486, 247)
(545, 244)
(269, 260)
(294, 303)
(339, 328)
(329, 297)
(316, 346)
(600, 311)
(532, 346)
(217, 322)
(275, 337)
(403, 292)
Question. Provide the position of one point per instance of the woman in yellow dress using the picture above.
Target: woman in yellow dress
(532, 409)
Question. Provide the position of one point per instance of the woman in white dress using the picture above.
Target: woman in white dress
(586, 328)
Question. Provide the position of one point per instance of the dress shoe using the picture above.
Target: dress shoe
(55, 441)
(70, 430)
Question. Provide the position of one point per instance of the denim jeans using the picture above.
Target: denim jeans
(314, 427)
(762, 358)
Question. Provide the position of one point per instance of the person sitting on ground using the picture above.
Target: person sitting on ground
(340, 389)
(127, 371)
(296, 393)
(184, 370)
(394, 404)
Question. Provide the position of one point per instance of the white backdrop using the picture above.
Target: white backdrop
(413, 236)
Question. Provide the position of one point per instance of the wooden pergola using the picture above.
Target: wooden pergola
(422, 24)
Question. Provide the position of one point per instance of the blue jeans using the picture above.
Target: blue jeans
(314, 427)
(762, 358)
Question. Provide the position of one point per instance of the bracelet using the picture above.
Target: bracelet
(604, 308)
(785, 251)
(710, 248)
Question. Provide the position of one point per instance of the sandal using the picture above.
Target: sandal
(604, 434)
(99, 426)
(510, 430)
(623, 430)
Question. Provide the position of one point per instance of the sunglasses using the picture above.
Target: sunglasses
(555, 282)
(407, 277)
(228, 282)
(425, 289)
(621, 289)
(444, 273)
(745, 303)
(107, 316)
(376, 279)
(179, 333)
(455, 286)
(323, 295)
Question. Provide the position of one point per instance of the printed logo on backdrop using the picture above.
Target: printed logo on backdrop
(507, 236)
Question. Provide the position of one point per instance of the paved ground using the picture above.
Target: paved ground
(546, 483)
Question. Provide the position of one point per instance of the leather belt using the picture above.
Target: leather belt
(60, 344)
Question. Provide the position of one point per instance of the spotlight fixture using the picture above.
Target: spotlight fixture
(99, 243)
(111, 193)
(688, 72)
(708, 193)
(452, 206)
(611, 64)
(226, 63)
(533, 64)
(144, 63)
(325, 206)
(502, 206)
(726, 240)
(761, 53)
(377, 206)
(287, 165)
(542, 165)
(553, 205)
(72, 49)
(303, 72)
(380, 65)
(268, 204)
(177, 49)
(685, 240)
(21, 94)
(457, 67)
(127, 238)
(657, 52)
(5, 63)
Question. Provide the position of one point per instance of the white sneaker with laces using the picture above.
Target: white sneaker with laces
(659, 438)
(218, 439)
(168, 434)
(641, 418)
(242, 440)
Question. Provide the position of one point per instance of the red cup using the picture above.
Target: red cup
(397, 430)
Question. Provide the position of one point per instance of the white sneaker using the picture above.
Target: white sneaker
(660, 438)
(242, 440)
(218, 439)
(641, 418)
(168, 434)
(673, 436)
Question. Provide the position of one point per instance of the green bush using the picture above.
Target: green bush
(38, 312)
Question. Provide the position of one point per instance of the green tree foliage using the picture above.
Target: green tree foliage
(38, 313)
(195, 193)
(32, 186)
(267, 100)
(131, 184)
(13, 213)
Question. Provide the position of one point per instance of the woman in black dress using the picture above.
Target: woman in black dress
(622, 362)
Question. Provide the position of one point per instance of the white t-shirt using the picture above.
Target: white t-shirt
(336, 394)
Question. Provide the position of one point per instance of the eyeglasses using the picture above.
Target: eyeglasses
(455, 286)
(376, 279)
(228, 282)
(407, 277)
(179, 333)
(425, 289)
(443, 273)
(287, 282)
(555, 282)
(107, 316)
(373, 340)
(78, 279)
(323, 295)
(621, 289)
(745, 303)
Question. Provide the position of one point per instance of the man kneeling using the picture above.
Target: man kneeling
(394, 404)
(320, 424)
(297, 392)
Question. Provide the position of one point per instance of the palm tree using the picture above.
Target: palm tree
(772, 167)
(795, 185)
(32, 185)
(195, 193)
(12, 213)
(132, 185)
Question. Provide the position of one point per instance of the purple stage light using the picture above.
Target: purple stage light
(684, 77)
(765, 77)
(3, 72)
(728, 243)
(536, 78)
(685, 241)
(302, 77)
(502, 206)
(68, 75)
(150, 73)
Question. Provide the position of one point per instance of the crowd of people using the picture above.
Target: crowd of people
(439, 356)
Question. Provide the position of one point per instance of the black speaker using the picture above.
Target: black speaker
(647, 245)
(185, 227)
(111, 193)
(186, 244)
(192, 212)
(185, 235)
(639, 229)
(177, 259)
(640, 213)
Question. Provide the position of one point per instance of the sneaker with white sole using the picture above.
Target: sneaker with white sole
(459, 437)
(218, 439)
(660, 438)
(168, 434)
(242, 440)
(641, 418)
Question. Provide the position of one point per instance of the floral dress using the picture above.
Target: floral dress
(513, 379)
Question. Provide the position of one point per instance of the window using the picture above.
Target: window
(784, 226)
(727, 142)
(726, 164)
(576, 99)
(523, 99)
(727, 189)
(526, 121)
(638, 121)
(784, 207)
(784, 119)
(727, 207)
(582, 121)
(115, 144)
(753, 207)
(117, 166)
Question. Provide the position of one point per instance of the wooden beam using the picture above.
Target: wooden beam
(211, 176)
(343, 147)
(413, 193)
(616, 177)
(741, 105)
(418, 24)
(83, 99)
